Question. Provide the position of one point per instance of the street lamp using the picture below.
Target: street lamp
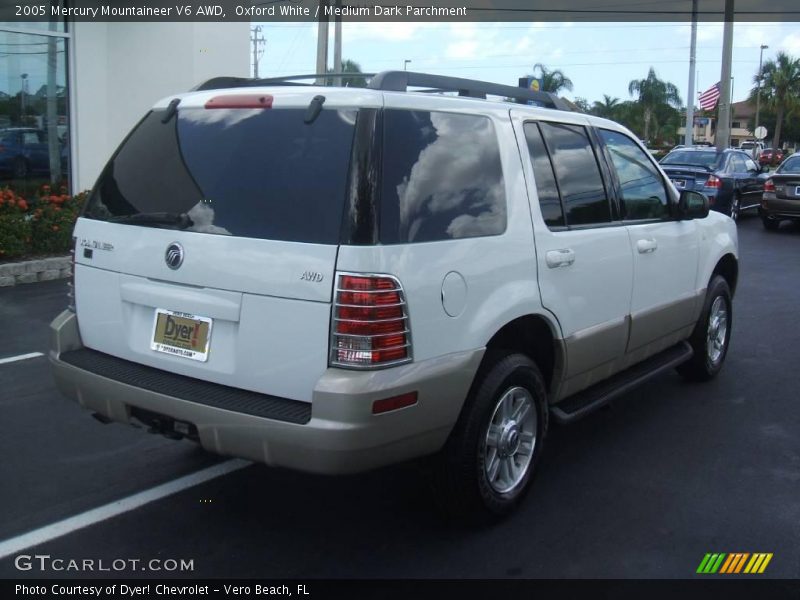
(760, 76)
(405, 64)
(23, 91)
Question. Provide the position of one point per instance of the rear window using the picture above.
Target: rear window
(242, 172)
(791, 165)
(710, 160)
(442, 177)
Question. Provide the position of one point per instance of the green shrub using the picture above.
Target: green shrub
(15, 225)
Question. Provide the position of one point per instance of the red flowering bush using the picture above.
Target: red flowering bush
(15, 226)
(42, 225)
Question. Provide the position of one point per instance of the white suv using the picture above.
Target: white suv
(336, 279)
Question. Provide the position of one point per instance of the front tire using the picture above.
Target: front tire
(712, 334)
(736, 207)
(488, 462)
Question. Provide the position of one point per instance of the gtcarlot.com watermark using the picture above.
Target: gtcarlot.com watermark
(48, 563)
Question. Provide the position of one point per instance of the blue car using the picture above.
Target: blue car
(23, 152)
(731, 179)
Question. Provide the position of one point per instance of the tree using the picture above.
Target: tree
(780, 89)
(350, 66)
(653, 93)
(552, 81)
(608, 108)
(583, 105)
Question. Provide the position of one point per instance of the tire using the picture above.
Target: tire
(736, 207)
(20, 168)
(709, 341)
(488, 462)
(770, 224)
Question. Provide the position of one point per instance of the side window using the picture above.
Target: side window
(578, 174)
(546, 188)
(442, 177)
(643, 193)
(750, 166)
(30, 137)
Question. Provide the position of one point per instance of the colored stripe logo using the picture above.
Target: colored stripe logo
(734, 563)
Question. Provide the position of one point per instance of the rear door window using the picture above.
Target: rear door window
(546, 187)
(442, 177)
(242, 172)
(578, 174)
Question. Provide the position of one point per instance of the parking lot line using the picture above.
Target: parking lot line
(11, 359)
(112, 509)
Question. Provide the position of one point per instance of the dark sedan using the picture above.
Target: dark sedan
(781, 198)
(730, 178)
(24, 151)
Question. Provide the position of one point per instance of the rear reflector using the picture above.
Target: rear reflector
(241, 101)
(370, 326)
(394, 403)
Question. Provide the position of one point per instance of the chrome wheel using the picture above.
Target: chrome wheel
(735, 208)
(717, 329)
(510, 440)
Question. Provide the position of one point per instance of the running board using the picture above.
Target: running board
(581, 404)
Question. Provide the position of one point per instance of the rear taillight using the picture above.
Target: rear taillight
(769, 186)
(71, 282)
(370, 326)
(713, 182)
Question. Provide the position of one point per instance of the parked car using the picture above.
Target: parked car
(752, 148)
(337, 279)
(731, 179)
(781, 200)
(23, 151)
(770, 157)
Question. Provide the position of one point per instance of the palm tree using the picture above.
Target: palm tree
(652, 93)
(607, 108)
(350, 66)
(552, 81)
(780, 89)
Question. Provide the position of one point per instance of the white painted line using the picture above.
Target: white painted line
(113, 509)
(11, 359)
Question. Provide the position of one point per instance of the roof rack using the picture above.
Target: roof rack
(400, 81)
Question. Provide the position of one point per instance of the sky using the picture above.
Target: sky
(600, 58)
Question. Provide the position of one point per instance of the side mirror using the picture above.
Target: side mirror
(692, 205)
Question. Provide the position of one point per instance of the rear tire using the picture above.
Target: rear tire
(736, 207)
(488, 462)
(770, 224)
(20, 168)
(712, 334)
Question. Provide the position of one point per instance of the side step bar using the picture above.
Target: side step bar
(581, 404)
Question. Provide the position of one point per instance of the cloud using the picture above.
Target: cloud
(791, 44)
(463, 49)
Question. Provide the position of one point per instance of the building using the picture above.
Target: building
(742, 124)
(86, 84)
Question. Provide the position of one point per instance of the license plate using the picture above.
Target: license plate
(797, 191)
(679, 183)
(181, 334)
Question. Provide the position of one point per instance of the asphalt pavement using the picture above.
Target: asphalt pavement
(643, 489)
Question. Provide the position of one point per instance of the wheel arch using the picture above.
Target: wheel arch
(728, 268)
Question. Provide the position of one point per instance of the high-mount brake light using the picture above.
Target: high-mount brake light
(370, 326)
(240, 101)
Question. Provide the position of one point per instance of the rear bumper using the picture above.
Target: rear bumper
(772, 206)
(341, 436)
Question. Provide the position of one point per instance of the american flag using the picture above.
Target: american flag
(708, 99)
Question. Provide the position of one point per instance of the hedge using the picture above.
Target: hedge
(39, 225)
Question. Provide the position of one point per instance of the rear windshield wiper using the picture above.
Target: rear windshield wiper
(176, 220)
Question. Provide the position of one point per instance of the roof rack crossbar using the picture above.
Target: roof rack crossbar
(234, 82)
(399, 81)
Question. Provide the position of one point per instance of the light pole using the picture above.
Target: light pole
(758, 93)
(22, 98)
(405, 64)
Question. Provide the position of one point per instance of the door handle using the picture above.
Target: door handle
(559, 258)
(647, 246)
